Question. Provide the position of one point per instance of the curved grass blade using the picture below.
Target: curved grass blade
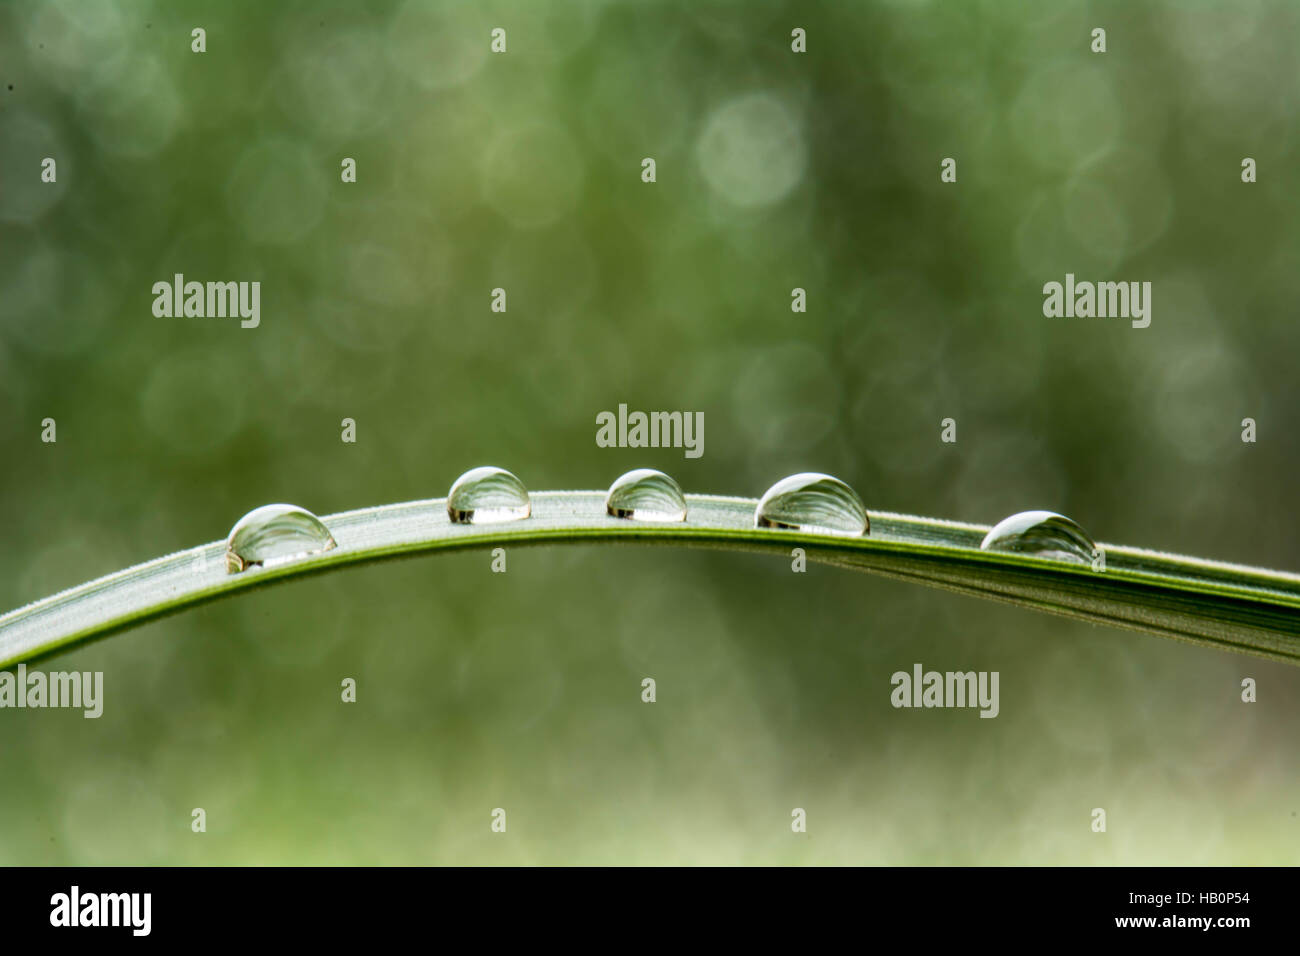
(1231, 607)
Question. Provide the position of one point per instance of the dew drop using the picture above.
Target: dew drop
(646, 495)
(487, 495)
(1044, 534)
(274, 534)
(812, 502)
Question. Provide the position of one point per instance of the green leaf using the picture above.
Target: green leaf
(1231, 607)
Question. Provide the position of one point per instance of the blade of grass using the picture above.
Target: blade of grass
(1231, 607)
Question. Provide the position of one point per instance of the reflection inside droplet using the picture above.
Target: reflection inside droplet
(274, 534)
(812, 502)
(646, 495)
(1044, 534)
(487, 495)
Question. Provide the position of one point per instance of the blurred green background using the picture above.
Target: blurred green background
(775, 170)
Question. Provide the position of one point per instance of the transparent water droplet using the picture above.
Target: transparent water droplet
(812, 502)
(1044, 534)
(487, 495)
(646, 495)
(274, 534)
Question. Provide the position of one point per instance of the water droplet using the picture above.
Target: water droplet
(487, 495)
(1044, 534)
(274, 534)
(812, 502)
(646, 495)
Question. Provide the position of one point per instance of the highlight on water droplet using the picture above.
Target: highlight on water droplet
(813, 502)
(1044, 534)
(487, 495)
(646, 495)
(274, 534)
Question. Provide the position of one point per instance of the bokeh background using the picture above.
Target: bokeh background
(775, 170)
